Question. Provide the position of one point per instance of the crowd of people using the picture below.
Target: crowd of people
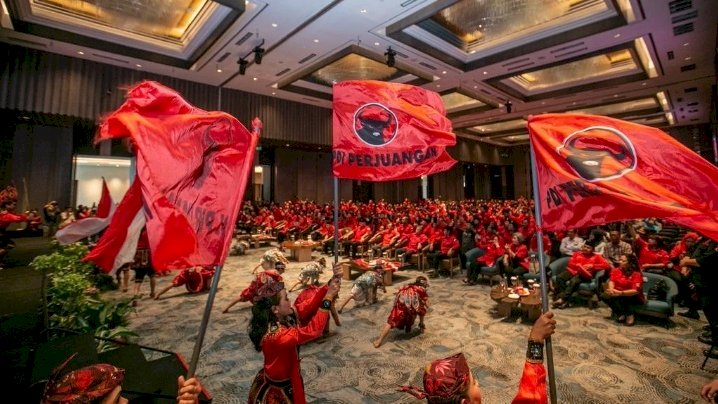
(498, 235)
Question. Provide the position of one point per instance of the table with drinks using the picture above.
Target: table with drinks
(517, 299)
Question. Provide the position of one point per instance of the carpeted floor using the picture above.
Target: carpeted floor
(596, 360)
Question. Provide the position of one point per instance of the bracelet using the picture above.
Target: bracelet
(534, 352)
(326, 304)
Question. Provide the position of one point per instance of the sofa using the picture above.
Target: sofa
(587, 290)
(658, 308)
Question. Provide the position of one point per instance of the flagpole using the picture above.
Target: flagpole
(542, 265)
(336, 219)
(205, 320)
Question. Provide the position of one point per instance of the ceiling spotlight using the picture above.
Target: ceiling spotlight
(509, 106)
(242, 65)
(390, 55)
(258, 53)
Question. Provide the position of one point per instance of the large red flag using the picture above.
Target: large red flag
(88, 226)
(593, 170)
(193, 167)
(388, 131)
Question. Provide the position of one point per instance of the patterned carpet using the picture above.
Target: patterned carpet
(596, 360)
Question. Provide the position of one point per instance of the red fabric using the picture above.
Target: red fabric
(266, 284)
(281, 358)
(444, 380)
(194, 280)
(308, 301)
(411, 301)
(577, 265)
(389, 131)
(448, 243)
(532, 387)
(82, 385)
(118, 243)
(8, 217)
(193, 165)
(623, 282)
(103, 207)
(594, 170)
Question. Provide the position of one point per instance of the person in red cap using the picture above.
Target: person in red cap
(277, 328)
(195, 279)
(102, 383)
(411, 301)
(449, 380)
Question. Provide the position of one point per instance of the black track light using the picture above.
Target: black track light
(258, 53)
(390, 57)
(242, 66)
(509, 106)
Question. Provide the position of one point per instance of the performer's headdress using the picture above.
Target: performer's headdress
(422, 281)
(266, 285)
(445, 381)
(83, 385)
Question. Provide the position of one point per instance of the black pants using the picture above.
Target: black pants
(434, 259)
(566, 285)
(623, 305)
(407, 254)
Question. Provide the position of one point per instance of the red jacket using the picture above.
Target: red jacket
(448, 243)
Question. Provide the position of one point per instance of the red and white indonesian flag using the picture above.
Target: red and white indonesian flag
(192, 167)
(593, 170)
(88, 226)
(389, 131)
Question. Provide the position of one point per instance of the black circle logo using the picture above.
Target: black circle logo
(375, 124)
(599, 153)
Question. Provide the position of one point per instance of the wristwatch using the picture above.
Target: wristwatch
(326, 304)
(534, 352)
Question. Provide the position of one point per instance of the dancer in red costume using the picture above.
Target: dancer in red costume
(449, 380)
(277, 329)
(411, 301)
(196, 279)
(248, 293)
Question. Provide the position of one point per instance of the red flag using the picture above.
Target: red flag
(88, 226)
(193, 166)
(389, 131)
(594, 170)
(118, 244)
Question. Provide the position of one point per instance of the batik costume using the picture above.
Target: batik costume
(411, 301)
(310, 273)
(365, 285)
(195, 280)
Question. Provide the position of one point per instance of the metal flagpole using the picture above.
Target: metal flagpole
(336, 219)
(205, 321)
(544, 279)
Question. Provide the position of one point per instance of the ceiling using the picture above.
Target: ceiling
(648, 61)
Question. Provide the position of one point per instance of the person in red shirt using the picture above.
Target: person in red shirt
(6, 218)
(277, 329)
(361, 234)
(411, 301)
(515, 260)
(581, 268)
(651, 255)
(448, 247)
(389, 237)
(625, 290)
(449, 380)
(416, 242)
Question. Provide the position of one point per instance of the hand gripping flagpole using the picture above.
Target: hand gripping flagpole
(542, 265)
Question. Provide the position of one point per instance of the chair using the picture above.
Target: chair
(489, 272)
(587, 290)
(658, 308)
(450, 263)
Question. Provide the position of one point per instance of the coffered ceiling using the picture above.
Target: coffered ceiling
(493, 61)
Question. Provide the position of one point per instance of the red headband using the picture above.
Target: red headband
(83, 385)
(445, 380)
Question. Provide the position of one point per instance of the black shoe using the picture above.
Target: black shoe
(705, 339)
(711, 353)
(690, 314)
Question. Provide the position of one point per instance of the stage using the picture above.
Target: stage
(597, 360)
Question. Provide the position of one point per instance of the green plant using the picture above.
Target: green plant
(73, 301)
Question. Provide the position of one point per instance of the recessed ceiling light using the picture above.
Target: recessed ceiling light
(219, 70)
(138, 65)
(615, 95)
(254, 78)
(274, 24)
(438, 85)
(644, 83)
(617, 36)
(316, 41)
(363, 10)
(274, 93)
(573, 103)
(476, 86)
(543, 102)
(472, 52)
(287, 144)
(443, 72)
(686, 44)
(687, 58)
(376, 44)
(486, 72)
(80, 52)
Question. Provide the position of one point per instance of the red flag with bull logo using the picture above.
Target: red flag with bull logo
(594, 170)
(193, 167)
(389, 131)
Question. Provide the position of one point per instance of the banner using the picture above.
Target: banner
(594, 170)
(193, 167)
(388, 131)
(88, 226)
